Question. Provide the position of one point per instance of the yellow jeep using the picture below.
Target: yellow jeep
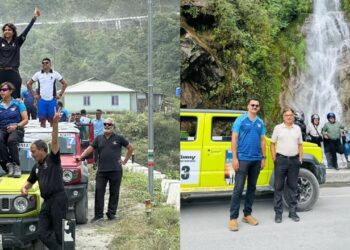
(206, 158)
(19, 214)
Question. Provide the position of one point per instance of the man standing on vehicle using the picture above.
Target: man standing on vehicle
(47, 96)
(287, 156)
(48, 172)
(108, 146)
(248, 152)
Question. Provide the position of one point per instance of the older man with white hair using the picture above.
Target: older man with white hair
(108, 146)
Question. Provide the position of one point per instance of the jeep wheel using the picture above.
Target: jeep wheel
(308, 190)
(81, 210)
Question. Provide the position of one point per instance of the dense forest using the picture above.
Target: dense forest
(232, 50)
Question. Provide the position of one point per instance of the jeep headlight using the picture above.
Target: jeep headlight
(67, 175)
(20, 204)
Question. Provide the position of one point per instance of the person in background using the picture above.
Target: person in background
(108, 147)
(248, 158)
(346, 144)
(300, 121)
(13, 118)
(10, 53)
(314, 131)
(287, 153)
(48, 172)
(30, 104)
(72, 118)
(98, 130)
(98, 123)
(332, 132)
(84, 119)
(65, 116)
(47, 94)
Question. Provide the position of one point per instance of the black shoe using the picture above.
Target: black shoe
(96, 219)
(337, 168)
(111, 216)
(294, 217)
(278, 218)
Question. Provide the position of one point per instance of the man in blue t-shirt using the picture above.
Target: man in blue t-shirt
(30, 104)
(249, 154)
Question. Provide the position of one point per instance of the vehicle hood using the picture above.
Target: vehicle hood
(14, 185)
(68, 161)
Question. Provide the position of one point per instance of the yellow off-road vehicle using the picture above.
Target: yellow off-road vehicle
(206, 158)
(19, 214)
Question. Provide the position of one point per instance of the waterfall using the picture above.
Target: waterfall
(327, 39)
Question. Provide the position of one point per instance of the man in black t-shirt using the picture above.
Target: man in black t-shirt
(108, 147)
(48, 172)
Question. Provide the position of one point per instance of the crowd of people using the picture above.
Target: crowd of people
(333, 137)
(45, 104)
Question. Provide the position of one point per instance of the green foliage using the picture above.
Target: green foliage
(255, 38)
(192, 10)
(136, 184)
(345, 4)
(82, 51)
(134, 229)
(133, 126)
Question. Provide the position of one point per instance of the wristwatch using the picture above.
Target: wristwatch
(264, 157)
(18, 127)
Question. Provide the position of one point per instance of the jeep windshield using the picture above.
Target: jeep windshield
(67, 144)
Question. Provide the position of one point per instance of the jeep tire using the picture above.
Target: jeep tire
(81, 209)
(308, 190)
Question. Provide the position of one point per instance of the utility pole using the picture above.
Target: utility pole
(150, 155)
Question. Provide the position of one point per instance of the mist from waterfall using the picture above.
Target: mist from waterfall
(327, 40)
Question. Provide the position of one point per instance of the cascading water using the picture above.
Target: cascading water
(328, 39)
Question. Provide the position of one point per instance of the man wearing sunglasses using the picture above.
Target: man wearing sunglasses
(47, 95)
(249, 154)
(108, 147)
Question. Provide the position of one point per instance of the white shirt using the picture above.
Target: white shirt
(84, 120)
(47, 83)
(287, 139)
(312, 130)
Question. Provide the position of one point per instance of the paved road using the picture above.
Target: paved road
(327, 227)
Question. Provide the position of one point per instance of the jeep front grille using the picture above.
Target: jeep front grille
(5, 229)
(4, 204)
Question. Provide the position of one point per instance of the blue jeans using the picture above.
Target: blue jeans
(250, 169)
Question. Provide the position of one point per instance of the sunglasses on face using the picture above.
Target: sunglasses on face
(255, 105)
(4, 89)
(107, 124)
(45, 62)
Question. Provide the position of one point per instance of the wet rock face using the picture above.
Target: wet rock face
(343, 74)
(199, 72)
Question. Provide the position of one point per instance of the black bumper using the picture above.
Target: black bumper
(75, 192)
(15, 231)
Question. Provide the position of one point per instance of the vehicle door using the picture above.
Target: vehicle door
(217, 172)
(191, 140)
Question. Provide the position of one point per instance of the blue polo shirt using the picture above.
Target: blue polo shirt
(98, 127)
(28, 98)
(11, 114)
(64, 115)
(249, 135)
